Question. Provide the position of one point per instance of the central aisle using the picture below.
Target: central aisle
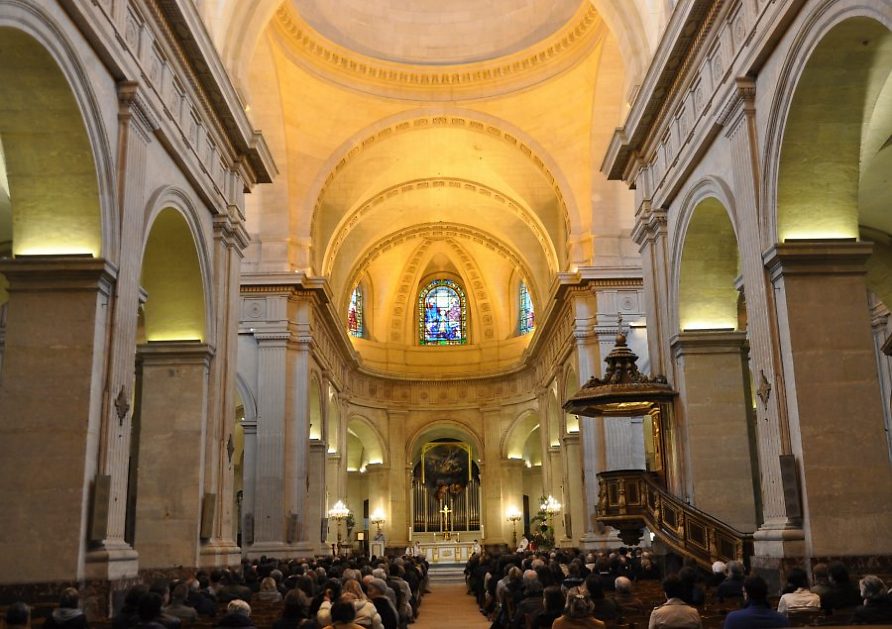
(448, 605)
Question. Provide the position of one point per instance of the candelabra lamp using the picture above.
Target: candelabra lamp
(551, 507)
(514, 516)
(339, 512)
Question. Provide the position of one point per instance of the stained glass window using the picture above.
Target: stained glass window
(527, 316)
(442, 314)
(354, 313)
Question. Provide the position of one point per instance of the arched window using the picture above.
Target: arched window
(527, 316)
(442, 314)
(354, 313)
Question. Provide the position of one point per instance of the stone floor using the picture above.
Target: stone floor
(448, 605)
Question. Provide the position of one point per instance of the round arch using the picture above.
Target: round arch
(571, 387)
(443, 429)
(811, 184)
(177, 305)
(425, 119)
(315, 408)
(373, 443)
(705, 259)
(515, 438)
(58, 177)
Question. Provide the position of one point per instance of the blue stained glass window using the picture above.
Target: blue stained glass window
(354, 313)
(527, 316)
(442, 314)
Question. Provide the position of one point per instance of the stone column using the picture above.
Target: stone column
(398, 503)
(249, 483)
(493, 517)
(832, 393)
(778, 534)
(311, 537)
(574, 506)
(379, 494)
(230, 239)
(556, 489)
(880, 325)
(110, 556)
(269, 482)
(50, 401)
(173, 427)
(651, 236)
(713, 383)
(304, 459)
(512, 495)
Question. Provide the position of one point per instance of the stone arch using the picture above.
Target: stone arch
(571, 386)
(332, 420)
(177, 308)
(315, 425)
(811, 183)
(248, 398)
(480, 321)
(57, 159)
(375, 451)
(431, 118)
(443, 428)
(705, 259)
(368, 205)
(515, 438)
(553, 418)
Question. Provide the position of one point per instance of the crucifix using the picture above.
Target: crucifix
(446, 511)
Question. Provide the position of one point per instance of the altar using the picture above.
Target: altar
(446, 551)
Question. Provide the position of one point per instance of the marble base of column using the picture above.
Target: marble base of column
(112, 561)
(218, 553)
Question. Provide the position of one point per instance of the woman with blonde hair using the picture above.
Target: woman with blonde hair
(578, 612)
(366, 613)
(269, 591)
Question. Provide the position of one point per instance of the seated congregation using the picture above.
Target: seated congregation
(307, 594)
(566, 589)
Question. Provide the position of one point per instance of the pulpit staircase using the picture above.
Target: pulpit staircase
(630, 500)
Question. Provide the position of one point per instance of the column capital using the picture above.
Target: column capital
(650, 223)
(817, 257)
(63, 272)
(708, 342)
(175, 353)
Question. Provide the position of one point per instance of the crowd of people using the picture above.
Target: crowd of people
(563, 589)
(568, 589)
(322, 593)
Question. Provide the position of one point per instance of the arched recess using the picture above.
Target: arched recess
(514, 443)
(426, 125)
(553, 419)
(443, 429)
(57, 178)
(332, 421)
(571, 387)
(707, 267)
(176, 307)
(831, 128)
(315, 407)
(363, 436)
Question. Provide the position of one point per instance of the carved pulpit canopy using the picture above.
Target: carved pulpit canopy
(623, 391)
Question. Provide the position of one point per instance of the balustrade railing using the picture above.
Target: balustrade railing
(629, 500)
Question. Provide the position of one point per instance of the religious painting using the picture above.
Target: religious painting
(442, 314)
(445, 468)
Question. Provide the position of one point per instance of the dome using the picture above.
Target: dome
(433, 32)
